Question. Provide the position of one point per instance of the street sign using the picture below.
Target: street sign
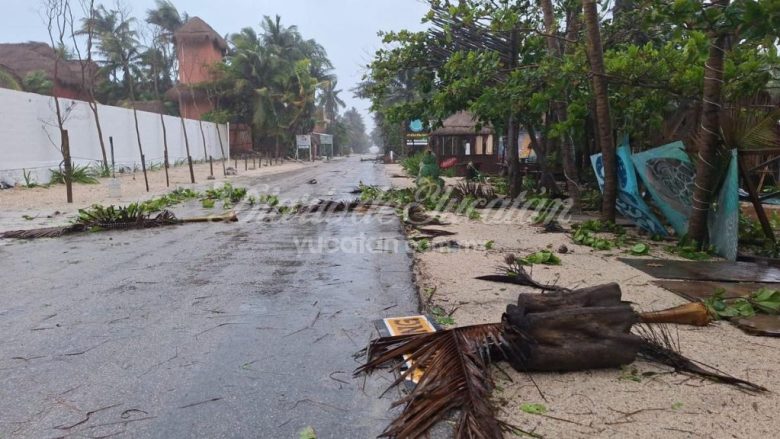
(303, 141)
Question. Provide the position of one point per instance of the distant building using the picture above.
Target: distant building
(198, 49)
(19, 60)
(461, 137)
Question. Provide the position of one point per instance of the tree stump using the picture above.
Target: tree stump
(583, 329)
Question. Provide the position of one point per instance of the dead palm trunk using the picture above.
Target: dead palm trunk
(707, 138)
(604, 123)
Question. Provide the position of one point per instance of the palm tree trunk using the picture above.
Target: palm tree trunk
(559, 108)
(512, 127)
(707, 139)
(604, 123)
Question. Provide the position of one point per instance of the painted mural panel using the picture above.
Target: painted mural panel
(629, 202)
(668, 174)
(723, 220)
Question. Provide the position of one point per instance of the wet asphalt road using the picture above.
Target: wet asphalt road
(203, 330)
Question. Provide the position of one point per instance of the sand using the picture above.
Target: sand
(604, 403)
(26, 208)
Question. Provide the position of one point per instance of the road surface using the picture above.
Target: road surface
(204, 330)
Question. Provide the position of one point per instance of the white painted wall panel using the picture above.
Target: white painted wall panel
(29, 137)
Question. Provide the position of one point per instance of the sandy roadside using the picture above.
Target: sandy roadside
(25, 208)
(649, 402)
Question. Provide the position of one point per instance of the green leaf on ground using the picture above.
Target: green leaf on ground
(307, 433)
(640, 249)
(489, 245)
(533, 409)
(677, 406)
(543, 257)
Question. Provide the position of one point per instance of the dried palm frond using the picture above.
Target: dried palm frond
(455, 375)
(514, 273)
(47, 232)
(481, 191)
(434, 233)
(660, 346)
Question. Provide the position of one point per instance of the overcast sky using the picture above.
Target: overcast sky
(346, 28)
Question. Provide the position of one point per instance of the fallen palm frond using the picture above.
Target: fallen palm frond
(456, 375)
(99, 218)
(474, 189)
(435, 232)
(514, 273)
(660, 347)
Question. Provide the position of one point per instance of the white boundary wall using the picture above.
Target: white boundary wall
(30, 139)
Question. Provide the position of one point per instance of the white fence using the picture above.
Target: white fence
(30, 139)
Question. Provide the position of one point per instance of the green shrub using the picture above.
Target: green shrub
(411, 164)
(79, 174)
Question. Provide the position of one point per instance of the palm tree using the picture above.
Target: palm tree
(117, 43)
(329, 100)
(166, 19)
(604, 123)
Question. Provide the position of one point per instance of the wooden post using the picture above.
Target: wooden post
(68, 165)
(246, 163)
(143, 168)
(211, 166)
(113, 163)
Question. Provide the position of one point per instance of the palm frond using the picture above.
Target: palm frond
(661, 347)
(455, 375)
(514, 273)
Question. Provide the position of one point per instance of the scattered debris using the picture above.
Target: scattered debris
(313, 181)
(566, 330)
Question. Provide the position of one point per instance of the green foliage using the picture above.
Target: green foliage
(9, 81)
(543, 257)
(208, 203)
(588, 233)
(28, 182)
(489, 245)
(226, 193)
(441, 316)
(173, 198)
(307, 433)
(79, 174)
(98, 216)
(411, 164)
(533, 409)
(763, 301)
(640, 249)
(37, 82)
(690, 250)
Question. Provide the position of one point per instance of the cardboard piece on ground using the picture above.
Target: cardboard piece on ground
(393, 326)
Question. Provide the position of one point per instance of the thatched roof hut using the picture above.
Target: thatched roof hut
(197, 30)
(26, 58)
(461, 123)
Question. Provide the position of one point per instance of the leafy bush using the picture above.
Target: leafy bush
(411, 164)
(79, 174)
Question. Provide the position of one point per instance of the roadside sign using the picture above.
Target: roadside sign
(303, 141)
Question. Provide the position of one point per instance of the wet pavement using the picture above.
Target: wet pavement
(204, 330)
